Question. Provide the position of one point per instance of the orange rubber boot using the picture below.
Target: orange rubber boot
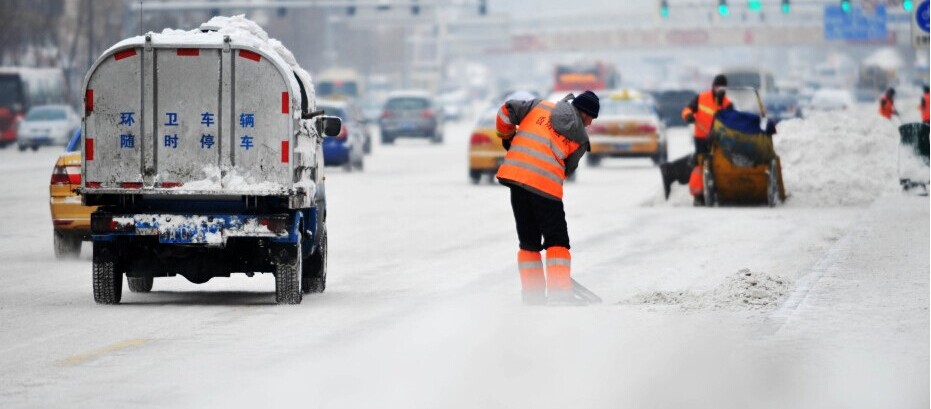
(532, 281)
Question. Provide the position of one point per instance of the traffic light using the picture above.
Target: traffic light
(786, 7)
(482, 8)
(664, 8)
(845, 6)
(754, 5)
(722, 7)
(908, 5)
(415, 9)
(351, 10)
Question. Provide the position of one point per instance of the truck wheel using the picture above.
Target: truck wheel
(387, 139)
(314, 279)
(108, 282)
(66, 245)
(140, 284)
(288, 272)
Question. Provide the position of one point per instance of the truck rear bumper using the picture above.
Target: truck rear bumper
(211, 230)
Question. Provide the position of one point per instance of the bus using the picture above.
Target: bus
(338, 83)
(580, 77)
(22, 88)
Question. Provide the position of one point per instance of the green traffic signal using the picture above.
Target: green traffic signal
(845, 6)
(754, 5)
(908, 5)
(722, 8)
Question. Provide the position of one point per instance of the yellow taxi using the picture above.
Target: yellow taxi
(628, 126)
(485, 150)
(70, 219)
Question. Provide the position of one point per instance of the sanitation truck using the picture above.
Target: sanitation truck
(202, 151)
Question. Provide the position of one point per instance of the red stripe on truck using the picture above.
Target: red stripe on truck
(285, 103)
(188, 52)
(124, 54)
(88, 149)
(285, 151)
(249, 55)
(89, 101)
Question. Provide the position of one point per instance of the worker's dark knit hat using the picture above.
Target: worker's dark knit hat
(719, 81)
(587, 102)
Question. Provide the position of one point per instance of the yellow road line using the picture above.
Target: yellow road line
(81, 358)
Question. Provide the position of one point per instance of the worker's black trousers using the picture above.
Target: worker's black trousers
(541, 222)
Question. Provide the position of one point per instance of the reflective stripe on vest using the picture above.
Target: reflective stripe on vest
(537, 155)
(704, 118)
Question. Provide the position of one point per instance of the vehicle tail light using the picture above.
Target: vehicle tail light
(275, 224)
(88, 148)
(426, 114)
(646, 128)
(596, 128)
(479, 139)
(131, 185)
(343, 133)
(107, 224)
(171, 184)
(386, 114)
(66, 175)
(93, 184)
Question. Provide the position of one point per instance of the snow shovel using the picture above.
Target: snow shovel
(584, 293)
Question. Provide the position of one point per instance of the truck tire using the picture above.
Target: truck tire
(140, 284)
(108, 281)
(314, 279)
(66, 245)
(288, 272)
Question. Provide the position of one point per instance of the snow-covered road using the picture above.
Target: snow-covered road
(815, 307)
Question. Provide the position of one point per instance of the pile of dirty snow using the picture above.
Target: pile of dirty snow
(838, 158)
(740, 291)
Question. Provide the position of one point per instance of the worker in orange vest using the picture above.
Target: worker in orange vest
(923, 107)
(887, 104)
(544, 143)
(700, 112)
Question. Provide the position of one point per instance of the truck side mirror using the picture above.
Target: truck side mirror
(329, 125)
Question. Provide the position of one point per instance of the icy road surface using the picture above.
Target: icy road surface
(809, 307)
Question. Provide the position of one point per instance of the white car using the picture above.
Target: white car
(830, 99)
(47, 125)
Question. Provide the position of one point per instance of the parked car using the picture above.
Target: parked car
(47, 125)
(781, 106)
(627, 126)
(455, 104)
(411, 113)
(347, 148)
(830, 99)
(669, 104)
(71, 221)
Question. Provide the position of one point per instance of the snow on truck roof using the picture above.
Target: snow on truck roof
(241, 32)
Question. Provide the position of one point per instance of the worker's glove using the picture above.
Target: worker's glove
(690, 119)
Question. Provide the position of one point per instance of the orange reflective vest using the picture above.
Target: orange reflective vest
(536, 159)
(924, 108)
(704, 112)
(886, 107)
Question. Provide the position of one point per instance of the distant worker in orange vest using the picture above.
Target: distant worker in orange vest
(887, 104)
(544, 143)
(699, 112)
(923, 107)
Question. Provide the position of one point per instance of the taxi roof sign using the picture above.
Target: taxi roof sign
(625, 95)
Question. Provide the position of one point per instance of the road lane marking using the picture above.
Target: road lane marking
(81, 358)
